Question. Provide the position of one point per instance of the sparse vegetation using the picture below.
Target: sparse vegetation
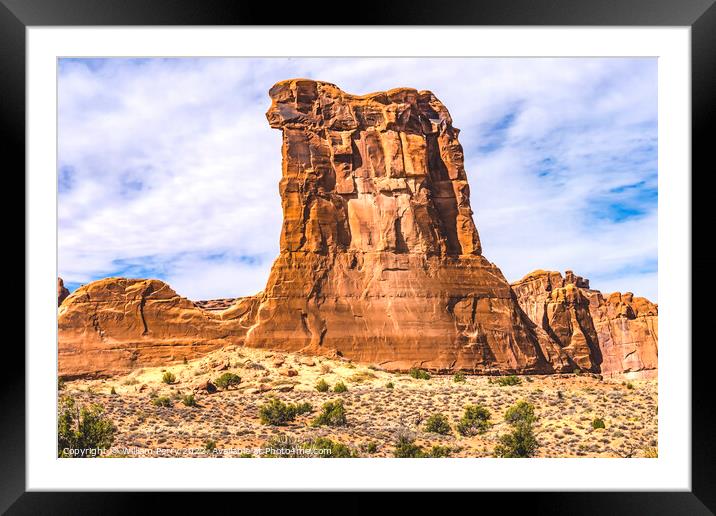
(82, 428)
(598, 422)
(322, 385)
(169, 378)
(113, 391)
(507, 381)
(438, 424)
(210, 445)
(437, 452)
(162, 401)
(475, 420)
(390, 385)
(419, 374)
(189, 400)
(227, 380)
(521, 441)
(370, 447)
(459, 378)
(405, 448)
(333, 413)
(340, 387)
(362, 376)
(278, 413)
(335, 449)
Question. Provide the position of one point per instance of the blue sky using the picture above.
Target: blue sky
(168, 168)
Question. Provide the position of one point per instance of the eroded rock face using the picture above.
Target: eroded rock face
(615, 335)
(380, 262)
(113, 325)
(62, 291)
(380, 258)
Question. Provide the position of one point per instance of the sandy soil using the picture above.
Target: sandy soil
(565, 406)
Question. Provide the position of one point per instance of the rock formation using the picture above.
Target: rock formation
(113, 325)
(615, 335)
(62, 291)
(380, 258)
(380, 262)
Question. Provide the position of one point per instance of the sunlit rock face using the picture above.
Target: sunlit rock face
(380, 262)
(380, 258)
(613, 335)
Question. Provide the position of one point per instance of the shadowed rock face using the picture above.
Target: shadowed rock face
(380, 262)
(615, 335)
(62, 291)
(380, 258)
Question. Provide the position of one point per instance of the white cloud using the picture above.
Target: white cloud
(174, 169)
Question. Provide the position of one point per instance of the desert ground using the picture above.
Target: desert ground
(379, 407)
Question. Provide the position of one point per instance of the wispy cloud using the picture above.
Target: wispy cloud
(168, 168)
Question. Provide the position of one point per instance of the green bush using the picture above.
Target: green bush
(340, 387)
(82, 428)
(438, 424)
(506, 381)
(519, 443)
(210, 445)
(475, 420)
(332, 414)
(370, 447)
(189, 400)
(113, 390)
(598, 422)
(162, 401)
(227, 380)
(278, 413)
(322, 385)
(405, 448)
(437, 452)
(520, 412)
(169, 378)
(459, 378)
(337, 450)
(390, 385)
(419, 374)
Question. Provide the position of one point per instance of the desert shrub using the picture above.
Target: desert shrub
(651, 452)
(370, 447)
(390, 385)
(333, 413)
(560, 395)
(577, 371)
(189, 400)
(475, 420)
(113, 390)
(521, 442)
(82, 428)
(282, 446)
(277, 413)
(303, 408)
(169, 378)
(322, 385)
(362, 376)
(210, 445)
(340, 387)
(506, 381)
(437, 452)
(60, 384)
(629, 385)
(520, 412)
(227, 380)
(438, 424)
(162, 401)
(419, 374)
(337, 450)
(598, 422)
(458, 378)
(185, 361)
(405, 448)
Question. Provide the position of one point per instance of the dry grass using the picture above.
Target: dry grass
(565, 406)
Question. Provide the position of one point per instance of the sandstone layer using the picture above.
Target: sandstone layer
(114, 325)
(62, 291)
(380, 262)
(380, 258)
(612, 335)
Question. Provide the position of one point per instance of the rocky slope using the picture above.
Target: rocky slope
(380, 262)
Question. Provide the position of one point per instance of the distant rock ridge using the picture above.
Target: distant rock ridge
(62, 291)
(380, 262)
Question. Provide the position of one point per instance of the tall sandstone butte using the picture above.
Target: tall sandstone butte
(380, 262)
(380, 258)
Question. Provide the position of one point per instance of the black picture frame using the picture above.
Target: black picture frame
(700, 15)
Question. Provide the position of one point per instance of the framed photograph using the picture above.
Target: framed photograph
(440, 250)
